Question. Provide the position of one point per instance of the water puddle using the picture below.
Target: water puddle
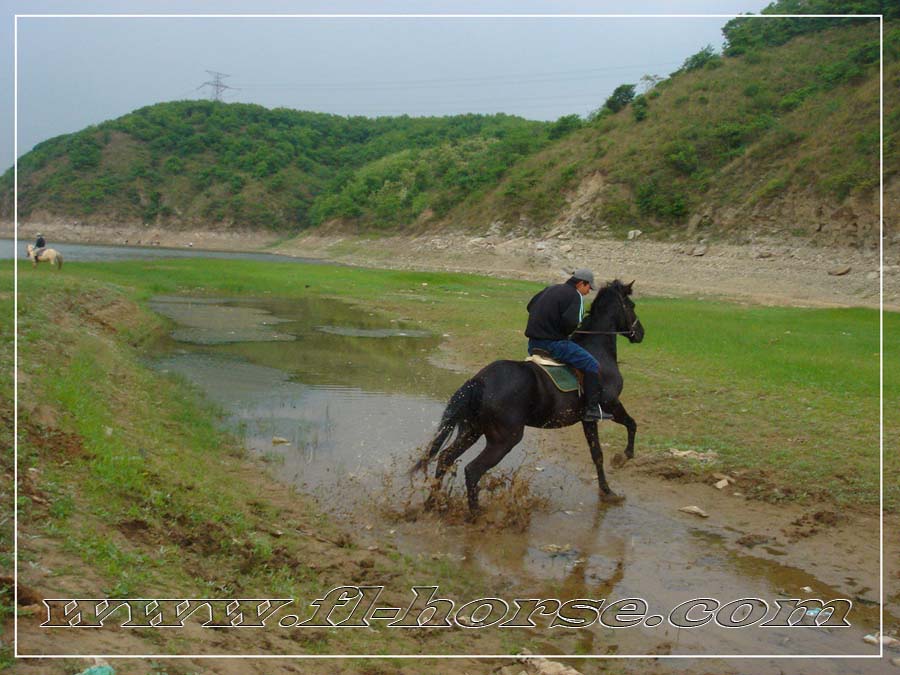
(338, 402)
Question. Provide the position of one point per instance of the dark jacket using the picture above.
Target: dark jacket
(554, 312)
(40, 243)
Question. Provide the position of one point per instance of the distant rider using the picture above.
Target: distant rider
(553, 315)
(39, 245)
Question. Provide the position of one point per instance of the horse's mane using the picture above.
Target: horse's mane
(608, 291)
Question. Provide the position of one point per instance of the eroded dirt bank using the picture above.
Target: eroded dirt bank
(766, 271)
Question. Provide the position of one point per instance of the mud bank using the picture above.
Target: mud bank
(773, 272)
(767, 271)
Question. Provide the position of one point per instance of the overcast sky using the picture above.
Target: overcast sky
(73, 72)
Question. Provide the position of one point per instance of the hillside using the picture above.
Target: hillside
(223, 165)
(778, 135)
(782, 140)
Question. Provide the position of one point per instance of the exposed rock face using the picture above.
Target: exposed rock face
(853, 223)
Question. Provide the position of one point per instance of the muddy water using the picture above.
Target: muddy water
(338, 401)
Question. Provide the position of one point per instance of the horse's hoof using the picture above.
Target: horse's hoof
(618, 460)
(611, 497)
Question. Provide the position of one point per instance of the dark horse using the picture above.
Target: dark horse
(507, 396)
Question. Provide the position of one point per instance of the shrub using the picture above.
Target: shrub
(83, 152)
(773, 188)
(640, 107)
(617, 212)
(682, 156)
(664, 200)
(563, 126)
(621, 97)
(837, 73)
(795, 98)
(174, 165)
(699, 60)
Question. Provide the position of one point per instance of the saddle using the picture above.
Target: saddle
(565, 378)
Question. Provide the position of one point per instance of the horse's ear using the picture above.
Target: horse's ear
(628, 287)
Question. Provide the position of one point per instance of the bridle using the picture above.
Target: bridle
(630, 333)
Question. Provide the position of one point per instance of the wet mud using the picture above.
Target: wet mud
(339, 403)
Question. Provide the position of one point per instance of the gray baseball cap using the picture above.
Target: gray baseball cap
(584, 275)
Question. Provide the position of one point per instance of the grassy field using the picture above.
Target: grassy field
(789, 395)
(111, 498)
(109, 450)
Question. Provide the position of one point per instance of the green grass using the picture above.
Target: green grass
(788, 393)
(148, 496)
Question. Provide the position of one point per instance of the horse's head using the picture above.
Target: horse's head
(614, 301)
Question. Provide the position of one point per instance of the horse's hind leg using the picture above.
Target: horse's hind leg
(499, 443)
(593, 439)
(464, 440)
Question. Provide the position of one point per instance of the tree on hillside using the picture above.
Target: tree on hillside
(620, 97)
(649, 81)
(747, 34)
(563, 126)
(705, 56)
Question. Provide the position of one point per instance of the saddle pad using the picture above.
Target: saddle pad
(544, 360)
(562, 376)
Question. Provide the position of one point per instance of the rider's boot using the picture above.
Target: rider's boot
(592, 394)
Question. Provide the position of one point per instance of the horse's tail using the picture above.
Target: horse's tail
(59, 261)
(463, 406)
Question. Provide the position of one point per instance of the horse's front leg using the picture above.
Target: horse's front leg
(593, 439)
(621, 416)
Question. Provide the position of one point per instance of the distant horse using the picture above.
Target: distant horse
(50, 255)
(506, 396)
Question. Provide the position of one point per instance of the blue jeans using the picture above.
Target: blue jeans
(568, 352)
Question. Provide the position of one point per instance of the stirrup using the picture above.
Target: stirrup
(594, 413)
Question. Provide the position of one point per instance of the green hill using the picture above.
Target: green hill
(208, 163)
(774, 139)
(779, 134)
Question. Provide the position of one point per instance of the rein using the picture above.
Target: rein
(612, 332)
(608, 332)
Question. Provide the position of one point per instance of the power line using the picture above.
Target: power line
(457, 81)
(217, 85)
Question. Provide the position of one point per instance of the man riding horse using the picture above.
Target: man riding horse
(506, 396)
(553, 315)
(39, 245)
